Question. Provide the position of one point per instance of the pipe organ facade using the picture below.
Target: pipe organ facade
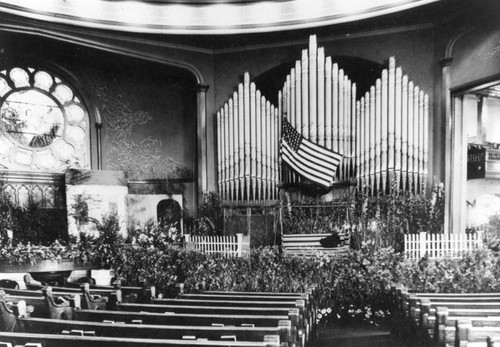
(248, 128)
(382, 136)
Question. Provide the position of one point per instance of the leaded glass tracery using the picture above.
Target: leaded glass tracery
(44, 125)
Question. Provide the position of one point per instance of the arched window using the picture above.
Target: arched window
(44, 124)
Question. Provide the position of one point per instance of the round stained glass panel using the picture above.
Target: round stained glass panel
(32, 118)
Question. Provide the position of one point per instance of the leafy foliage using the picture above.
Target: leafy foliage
(385, 219)
(360, 279)
(155, 235)
(31, 223)
(475, 272)
(210, 220)
(314, 217)
(108, 244)
(29, 254)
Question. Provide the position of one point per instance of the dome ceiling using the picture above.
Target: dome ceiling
(204, 16)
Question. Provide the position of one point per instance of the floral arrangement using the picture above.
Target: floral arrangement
(30, 254)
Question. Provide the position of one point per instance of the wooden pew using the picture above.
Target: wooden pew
(89, 300)
(137, 329)
(47, 306)
(141, 294)
(179, 318)
(228, 301)
(438, 317)
(51, 340)
(53, 326)
(469, 334)
(446, 320)
(131, 294)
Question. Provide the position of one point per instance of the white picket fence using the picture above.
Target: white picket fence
(230, 246)
(441, 245)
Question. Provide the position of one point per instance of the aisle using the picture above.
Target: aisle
(351, 336)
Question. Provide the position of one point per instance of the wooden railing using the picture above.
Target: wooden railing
(440, 245)
(230, 246)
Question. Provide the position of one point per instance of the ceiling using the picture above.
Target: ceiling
(204, 17)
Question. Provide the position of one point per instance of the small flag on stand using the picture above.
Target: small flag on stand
(308, 159)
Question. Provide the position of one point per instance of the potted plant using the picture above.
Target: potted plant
(106, 248)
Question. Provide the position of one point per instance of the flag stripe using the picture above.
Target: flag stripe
(318, 160)
(307, 174)
(326, 173)
(319, 152)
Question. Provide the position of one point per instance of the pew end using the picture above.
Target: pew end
(62, 310)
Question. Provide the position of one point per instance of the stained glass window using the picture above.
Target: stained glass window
(43, 123)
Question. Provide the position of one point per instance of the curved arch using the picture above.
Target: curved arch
(451, 43)
(114, 48)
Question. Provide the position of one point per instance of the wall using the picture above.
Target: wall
(148, 110)
(476, 54)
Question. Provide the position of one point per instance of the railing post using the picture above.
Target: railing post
(239, 242)
(423, 243)
(187, 237)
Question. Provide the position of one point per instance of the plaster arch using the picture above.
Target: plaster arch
(106, 45)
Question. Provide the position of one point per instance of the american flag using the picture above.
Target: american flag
(310, 160)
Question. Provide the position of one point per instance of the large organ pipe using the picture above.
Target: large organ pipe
(391, 121)
(366, 148)
(241, 142)
(328, 103)
(335, 108)
(404, 132)
(313, 102)
(321, 97)
(268, 146)
(398, 128)
(421, 140)
(246, 114)
(354, 119)
(236, 151)
(425, 143)
(275, 164)
(411, 125)
(298, 104)
(258, 145)
(380, 134)
(358, 144)
(373, 141)
(265, 140)
(225, 149)
(305, 95)
(384, 130)
(230, 135)
(253, 143)
(416, 144)
(340, 124)
(220, 158)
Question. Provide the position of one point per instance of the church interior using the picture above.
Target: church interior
(144, 108)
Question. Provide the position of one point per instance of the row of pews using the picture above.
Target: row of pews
(451, 319)
(93, 315)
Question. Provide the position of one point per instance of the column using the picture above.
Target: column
(448, 154)
(201, 116)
